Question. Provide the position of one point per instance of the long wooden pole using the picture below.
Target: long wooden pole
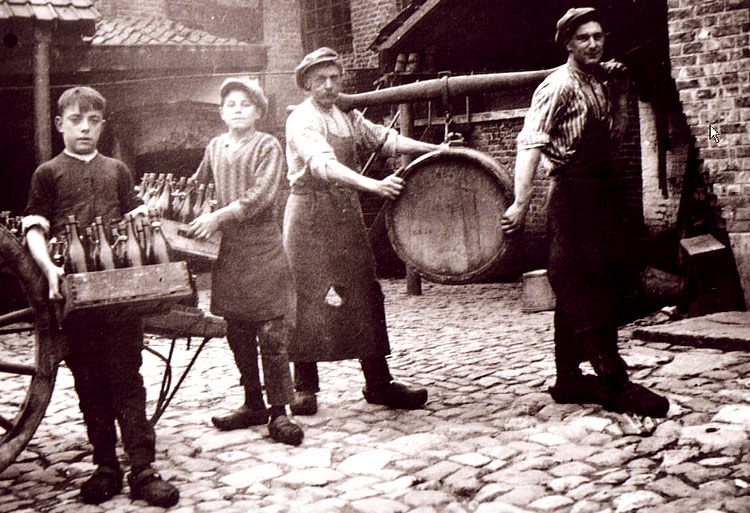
(42, 131)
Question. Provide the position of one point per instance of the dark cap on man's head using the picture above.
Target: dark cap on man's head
(323, 55)
(571, 20)
(252, 89)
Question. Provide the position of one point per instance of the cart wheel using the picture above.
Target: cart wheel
(28, 355)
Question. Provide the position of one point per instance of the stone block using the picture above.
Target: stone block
(740, 243)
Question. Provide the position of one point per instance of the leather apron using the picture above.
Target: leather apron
(340, 313)
(586, 239)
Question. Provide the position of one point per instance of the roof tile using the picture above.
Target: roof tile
(132, 31)
(65, 10)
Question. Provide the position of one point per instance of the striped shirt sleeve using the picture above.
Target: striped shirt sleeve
(542, 116)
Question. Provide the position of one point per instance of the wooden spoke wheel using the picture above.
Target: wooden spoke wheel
(28, 347)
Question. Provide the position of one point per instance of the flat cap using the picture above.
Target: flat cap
(571, 20)
(251, 87)
(323, 55)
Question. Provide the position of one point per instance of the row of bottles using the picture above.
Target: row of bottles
(11, 222)
(179, 200)
(130, 243)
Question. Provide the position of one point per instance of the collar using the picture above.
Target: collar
(85, 158)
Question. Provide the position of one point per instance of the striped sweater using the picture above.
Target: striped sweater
(247, 176)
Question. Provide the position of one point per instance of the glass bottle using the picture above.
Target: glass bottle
(106, 254)
(163, 205)
(75, 255)
(160, 254)
(156, 191)
(178, 195)
(210, 200)
(185, 214)
(133, 254)
(91, 249)
(198, 207)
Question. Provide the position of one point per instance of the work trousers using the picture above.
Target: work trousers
(375, 369)
(244, 338)
(105, 360)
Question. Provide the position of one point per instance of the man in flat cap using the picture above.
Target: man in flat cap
(572, 127)
(340, 312)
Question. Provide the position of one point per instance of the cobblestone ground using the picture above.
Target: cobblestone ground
(490, 440)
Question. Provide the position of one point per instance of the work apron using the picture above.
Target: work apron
(340, 312)
(586, 239)
(251, 279)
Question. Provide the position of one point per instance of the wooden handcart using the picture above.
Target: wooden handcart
(31, 346)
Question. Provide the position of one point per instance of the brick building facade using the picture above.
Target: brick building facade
(709, 44)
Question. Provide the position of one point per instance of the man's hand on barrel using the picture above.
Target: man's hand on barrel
(204, 226)
(513, 218)
(389, 187)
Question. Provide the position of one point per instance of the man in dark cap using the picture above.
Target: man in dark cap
(340, 312)
(572, 127)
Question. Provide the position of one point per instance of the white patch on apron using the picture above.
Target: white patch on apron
(333, 299)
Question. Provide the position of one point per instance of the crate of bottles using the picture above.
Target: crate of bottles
(123, 270)
(125, 292)
(177, 203)
(183, 247)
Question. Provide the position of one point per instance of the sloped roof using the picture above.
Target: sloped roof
(144, 31)
(48, 10)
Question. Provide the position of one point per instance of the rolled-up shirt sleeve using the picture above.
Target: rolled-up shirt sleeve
(307, 141)
(371, 135)
(541, 117)
(40, 202)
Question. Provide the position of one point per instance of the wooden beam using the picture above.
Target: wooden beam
(42, 119)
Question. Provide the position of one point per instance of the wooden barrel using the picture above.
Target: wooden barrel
(446, 222)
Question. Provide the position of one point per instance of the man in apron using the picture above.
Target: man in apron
(572, 126)
(340, 312)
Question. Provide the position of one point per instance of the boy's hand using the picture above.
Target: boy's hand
(203, 227)
(53, 274)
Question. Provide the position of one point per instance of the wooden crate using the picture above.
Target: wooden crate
(187, 247)
(128, 292)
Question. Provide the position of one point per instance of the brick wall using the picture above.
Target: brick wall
(710, 57)
(368, 17)
(281, 28)
(111, 8)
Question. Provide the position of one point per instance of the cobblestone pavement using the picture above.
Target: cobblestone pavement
(490, 440)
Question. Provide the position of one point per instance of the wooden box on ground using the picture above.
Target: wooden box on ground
(189, 248)
(122, 293)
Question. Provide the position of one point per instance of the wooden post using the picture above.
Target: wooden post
(413, 280)
(42, 131)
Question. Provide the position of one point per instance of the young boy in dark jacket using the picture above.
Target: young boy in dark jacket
(104, 356)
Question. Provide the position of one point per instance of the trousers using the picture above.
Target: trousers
(244, 338)
(105, 360)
